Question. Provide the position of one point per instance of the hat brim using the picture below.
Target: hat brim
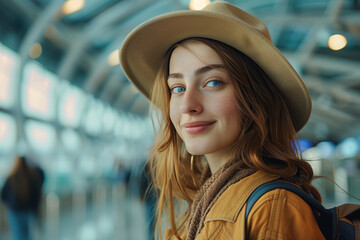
(144, 48)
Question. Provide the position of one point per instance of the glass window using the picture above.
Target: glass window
(41, 136)
(93, 118)
(109, 119)
(8, 132)
(120, 125)
(87, 165)
(70, 140)
(38, 91)
(8, 62)
(71, 104)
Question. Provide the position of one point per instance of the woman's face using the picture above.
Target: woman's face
(203, 108)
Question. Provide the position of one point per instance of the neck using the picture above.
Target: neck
(216, 161)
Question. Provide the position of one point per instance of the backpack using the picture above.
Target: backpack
(341, 222)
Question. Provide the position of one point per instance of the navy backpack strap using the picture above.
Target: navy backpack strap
(326, 218)
(266, 187)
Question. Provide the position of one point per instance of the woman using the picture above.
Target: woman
(230, 106)
(22, 193)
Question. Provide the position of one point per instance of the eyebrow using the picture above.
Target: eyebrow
(199, 71)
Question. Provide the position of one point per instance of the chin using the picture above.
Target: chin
(196, 150)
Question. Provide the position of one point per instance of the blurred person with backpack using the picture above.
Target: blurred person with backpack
(22, 194)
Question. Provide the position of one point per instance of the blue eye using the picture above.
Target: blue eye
(178, 89)
(214, 83)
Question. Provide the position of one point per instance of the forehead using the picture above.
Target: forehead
(193, 53)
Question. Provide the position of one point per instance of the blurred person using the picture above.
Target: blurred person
(229, 107)
(121, 178)
(122, 174)
(22, 195)
(148, 197)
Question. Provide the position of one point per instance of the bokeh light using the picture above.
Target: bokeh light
(337, 42)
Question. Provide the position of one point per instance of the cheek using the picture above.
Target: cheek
(230, 111)
(226, 107)
(174, 115)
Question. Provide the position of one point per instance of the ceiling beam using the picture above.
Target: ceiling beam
(96, 27)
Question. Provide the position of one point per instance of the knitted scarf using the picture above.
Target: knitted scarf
(212, 188)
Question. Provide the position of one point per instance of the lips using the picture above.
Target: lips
(197, 126)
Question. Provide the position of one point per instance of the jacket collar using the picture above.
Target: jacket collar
(230, 203)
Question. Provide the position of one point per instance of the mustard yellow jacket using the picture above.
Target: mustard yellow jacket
(278, 214)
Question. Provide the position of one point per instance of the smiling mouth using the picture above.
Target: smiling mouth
(197, 127)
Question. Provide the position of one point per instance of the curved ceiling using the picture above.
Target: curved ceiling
(77, 48)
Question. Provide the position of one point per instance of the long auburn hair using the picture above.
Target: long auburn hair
(267, 141)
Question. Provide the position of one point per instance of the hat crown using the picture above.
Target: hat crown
(238, 14)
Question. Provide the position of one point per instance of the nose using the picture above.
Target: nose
(191, 102)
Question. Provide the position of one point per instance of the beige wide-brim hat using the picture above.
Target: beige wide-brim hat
(144, 49)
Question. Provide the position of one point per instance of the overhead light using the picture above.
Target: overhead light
(198, 4)
(72, 6)
(348, 148)
(305, 144)
(326, 148)
(113, 58)
(337, 42)
(35, 50)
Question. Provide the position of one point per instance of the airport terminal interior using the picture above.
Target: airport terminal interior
(67, 106)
